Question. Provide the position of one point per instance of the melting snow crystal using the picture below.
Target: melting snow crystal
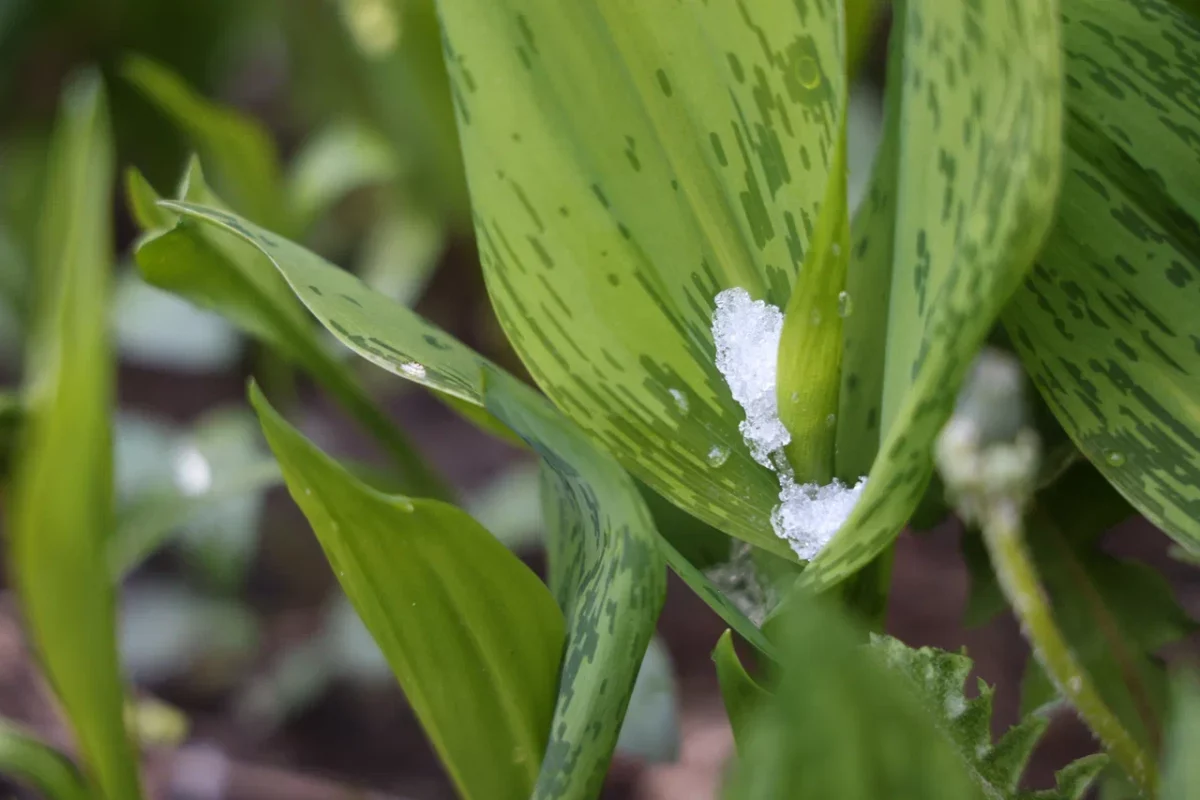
(746, 333)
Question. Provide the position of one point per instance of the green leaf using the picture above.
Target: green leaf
(605, 567)
(237, 148)
(61, 509)
(844, 726)
(742, 695)
(337, 160)
(472, 634)
(28, 759)
(217, 270)
(610, 212)
(1105, 322)
(1181, 769)
(810, 347)
(939, 678)
(978, 164)
(1116, 615)
(143, 202)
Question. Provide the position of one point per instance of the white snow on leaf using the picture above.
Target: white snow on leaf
(746, 333)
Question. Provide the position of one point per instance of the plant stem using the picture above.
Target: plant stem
(1002, 532)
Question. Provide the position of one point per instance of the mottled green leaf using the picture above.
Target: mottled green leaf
(61, 506)
(26, 758)
(237, 148)
(1181, 768)
(605, 567)
(627, 161)
(842, 725)
(978, 165)
(217, 270)
(471, 633)
(742, 695)
(1106, 322)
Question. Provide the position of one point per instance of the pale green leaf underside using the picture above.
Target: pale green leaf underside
(627, 161)
(979, 161)
(473, 636)
(1106, 323)
(606, 571)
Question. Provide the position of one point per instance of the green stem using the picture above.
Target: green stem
(1002, 532)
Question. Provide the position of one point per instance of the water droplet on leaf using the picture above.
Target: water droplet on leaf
(1114, 458)
(845, 305)
(681, 400)
(717, 456)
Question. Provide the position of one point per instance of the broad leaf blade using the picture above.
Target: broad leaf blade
(842, 725)
(606, 571)
(471, 633)
(1106, 322)
(1181, 769)
(979, 142)
(61, 509)
(238, 148)
(627, 161)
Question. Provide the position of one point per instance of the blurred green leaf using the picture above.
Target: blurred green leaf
(742, 695)
(472, 634)
(61, 510)
(238, 149)
(605, 568)
(843, 725)
(1105, 323)
(609, 213)
(401, 252)
(157, 329)
(217, 270)
(335, 161)
(978, 166)
(650, 732)
(1181, 769)
(28, 759)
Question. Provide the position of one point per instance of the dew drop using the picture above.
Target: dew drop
(845, 305)
(816, 317)
(1074, 684)
(1114, 458)
(831, 421)
(717, 456)
(795, 397)
(681, 400)
(413, 369)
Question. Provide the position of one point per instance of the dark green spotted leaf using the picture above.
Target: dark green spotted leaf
(605, 567)
(237, 148)
(217, 270)
(26, 758)
(842, 725)
(742, 695)
(1106, 322)
(978, 146)
(471, 633)
(60, 511)
(627, 162)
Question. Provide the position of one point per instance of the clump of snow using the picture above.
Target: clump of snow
(808, 514)
(746, 333)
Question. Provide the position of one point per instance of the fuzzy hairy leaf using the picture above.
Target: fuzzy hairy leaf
(1106, 322)
(60, 512)
(627, 161)
(939, 679)
(978, 167)
(606, 570)
(473, 636)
